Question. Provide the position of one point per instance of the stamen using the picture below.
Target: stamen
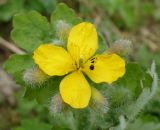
(81, 61)
(93, 59)
(76, 51)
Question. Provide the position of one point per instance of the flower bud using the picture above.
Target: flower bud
(62, 30)
(121, 47)
(98, 102)
(34, 76)
(58, 42)
(56, 104)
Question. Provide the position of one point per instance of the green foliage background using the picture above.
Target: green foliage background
(133, 100)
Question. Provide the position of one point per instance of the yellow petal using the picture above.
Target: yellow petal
(53, 60)
(82, 41)
(105, 68)
(75, 90)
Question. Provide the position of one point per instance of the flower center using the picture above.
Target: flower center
(79, 65)
(90, 62)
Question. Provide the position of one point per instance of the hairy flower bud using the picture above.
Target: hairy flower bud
(98, 102)
(56, 104)
(34, 76)
(121, 47)
(58, 42)
(62, 30)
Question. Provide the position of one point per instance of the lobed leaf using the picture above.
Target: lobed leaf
(31, 30)
(17, 64)
(146, 95)
(44, 92)
(33, 124)
(134, 77)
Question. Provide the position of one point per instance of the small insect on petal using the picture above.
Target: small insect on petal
(91, 67)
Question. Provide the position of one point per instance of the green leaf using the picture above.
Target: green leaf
(16, 65)
(9, 8)
(59, 128)
(122, 124)
(102, 46)
(49, 5)
(31, 30)
(135, 79)
(147, 82)
(146, 95)
(26, 106)
(33, 5)
(43, 93)
(140, 125)
(65, 121)
(33, 124)
(131, 80)
(134, 108)
(64, 13)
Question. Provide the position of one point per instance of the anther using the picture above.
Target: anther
(92, 59)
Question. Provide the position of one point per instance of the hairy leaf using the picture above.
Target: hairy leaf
(31, 30)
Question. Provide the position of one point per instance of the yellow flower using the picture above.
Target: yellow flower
(82, 44)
